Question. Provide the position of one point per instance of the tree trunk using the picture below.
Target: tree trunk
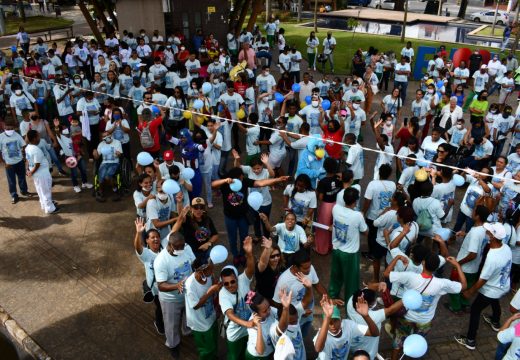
(256, 8)
(268, 10)
(299, 16)
(399, 5)
(462, 9)
(242, 18)
(403, 31)
(233, 17)
(22, 10)
(316, 16)
(91, 22)
(100, 12)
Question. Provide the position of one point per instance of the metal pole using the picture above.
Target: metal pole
(440, 8)
(494, 20)
(403, 31)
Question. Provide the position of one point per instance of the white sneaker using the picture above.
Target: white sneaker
(87, 186)
(77, 189)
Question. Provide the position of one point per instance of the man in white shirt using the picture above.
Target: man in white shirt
(493, 283)
(284, 61)
(460, 75)
(402, 72)
(481, 79)
(408, 52)
(265, 81)
(329, 44)
(355, 157)
(296, 58)
(193, 66)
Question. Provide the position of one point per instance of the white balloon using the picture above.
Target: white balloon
(218, 254)
(255, 200)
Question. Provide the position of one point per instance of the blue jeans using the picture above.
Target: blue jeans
(461, 220)
(232, 226)
(496, 86)
(265, 54)
(55, 159)
(16, 171)
(82, 171)
(206, 180)
(107, 171)
(264, 210)
(223, 163)
(402, 86)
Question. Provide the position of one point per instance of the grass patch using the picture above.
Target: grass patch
(346, 46)
(499, 32)
(35, 24)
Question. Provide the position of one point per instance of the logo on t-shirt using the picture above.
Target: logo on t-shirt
(384, 199)
(235, 198)
(202, 234)
(341, 231)
(340, 352)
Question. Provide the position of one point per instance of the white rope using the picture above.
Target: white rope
(193, 112)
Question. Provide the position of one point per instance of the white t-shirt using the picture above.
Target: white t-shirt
(266, 328)
(193, 68)
(108, 151)
(434, 208)
(233, 103)
(294, 334)
(430, 295)
(408, 177)
(277, 149)
(430, 148)
(203, 318)
(147, 257)
(293, 125)
(464, 73)
(301, 202)
(350, 94)
(295, 65)
(264, 190)
(118, 134)
(509, 336)
(35, 155)
(285, 60)
(420, 109)
(347, 224)
(92, 107)
(356, 159)
(407, 52)
(480, 81)
(503, 126)
(483, 150)
(338, 348)
(368, 343)
(157, 210)
(457, 135)
(236, 302)
(380, 192)
(225, 130)
(312, 116)
(474, 242)
(401, 67)
(289, 240)
(384, 221)
(444, 192)
(173, 269)
(215, 153)
(473, 192)
(391, 105)
(496, 270)
(265, 83)
(384, 157)
(327, 45)
(405, 243)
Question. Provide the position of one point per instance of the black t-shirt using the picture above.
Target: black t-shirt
(198, 233)
(474, 62)
(266, 281)
(235, 203)
(329, 187)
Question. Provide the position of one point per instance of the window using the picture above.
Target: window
(198, 20)
(186, 25)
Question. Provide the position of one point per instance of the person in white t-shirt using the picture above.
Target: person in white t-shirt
(493, 283)
(329, 45)
(290, 235)
(334, 339)
(201, 316)
(232, 300)
(38, 169)
(296, 58)
(355, 157)
(481, 79)
(402, 72)
(509, 341)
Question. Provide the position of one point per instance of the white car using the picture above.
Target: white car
(489, 17)
(382, 4)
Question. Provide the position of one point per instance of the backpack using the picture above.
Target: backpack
(146, 137)
(424, 219)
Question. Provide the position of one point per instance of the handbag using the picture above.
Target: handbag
(148, 296)
(223, 324)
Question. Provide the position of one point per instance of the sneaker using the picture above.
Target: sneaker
(490, 322)
(114, 189)
(77, 189)
(55, 202)
(28, 194)
(56, 210)
(87, 186)
(160, 331)
(464, 341)
(14, 200)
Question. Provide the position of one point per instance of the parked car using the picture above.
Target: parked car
(382, 4)
(358, 3)
(489, 16)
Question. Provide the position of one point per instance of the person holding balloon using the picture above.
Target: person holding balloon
(235, 189)
(277, 150)
(160, 211)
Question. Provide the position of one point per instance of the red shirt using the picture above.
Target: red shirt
(154, 129)
(403, 134)
(333, 150)
(240, 88)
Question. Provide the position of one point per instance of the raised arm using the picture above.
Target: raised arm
(138, 239)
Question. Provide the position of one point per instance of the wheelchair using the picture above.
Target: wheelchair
(122, 179)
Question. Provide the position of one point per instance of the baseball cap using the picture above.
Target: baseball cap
(168, 155)
(496, 229)
(198, 201)
(484, 66)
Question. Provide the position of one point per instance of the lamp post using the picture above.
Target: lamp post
(404, 21)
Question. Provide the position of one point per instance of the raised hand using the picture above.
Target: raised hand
(362, 306)
(235, 154)
(285, 298)
(264, 158)
(267, 243)
(327, 307)
(304, 279)
(248, 245)
(139, 225)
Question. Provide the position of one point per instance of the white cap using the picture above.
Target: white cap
(496, 229)
(484, 66)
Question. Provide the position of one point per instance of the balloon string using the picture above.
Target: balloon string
(377, 151)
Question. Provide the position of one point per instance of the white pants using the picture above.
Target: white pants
(43, 185)
(174, 316)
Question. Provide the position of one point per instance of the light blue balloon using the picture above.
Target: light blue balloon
(206, 88)
(296, 88)
(458, 180)
(171, 187)
(218, 254)
(255, 200)
(236, 185)
(412, 299)
(144, 158)
(188, 173)
(325, 104)
(415, 346)
(443, 233)
(279, 97)
(198, 104)
(422, 163)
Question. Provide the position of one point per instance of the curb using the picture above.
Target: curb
(21, 337)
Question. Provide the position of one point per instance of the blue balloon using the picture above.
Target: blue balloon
(422, 163)
(218, 254)
(415, 346)
(144, 158)
(308, 99)
(458, 180)
(40, 101)
(206, 88)
(171, 187)
(279, 97)
(155, 109)
(198, 104)
(236, 185)
(188, 173)
(220, 107)
(443, 233)
(255, 200)
(325, 104)
(440, 84)
(295, 87)
(412, 299)
(13, 48)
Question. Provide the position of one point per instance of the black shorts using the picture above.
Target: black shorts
(515, 273)
(374, 248)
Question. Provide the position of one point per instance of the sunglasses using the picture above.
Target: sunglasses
(274, 256)
(232, 282)
(198, 207)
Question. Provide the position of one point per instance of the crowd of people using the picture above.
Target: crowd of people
(228, 119)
